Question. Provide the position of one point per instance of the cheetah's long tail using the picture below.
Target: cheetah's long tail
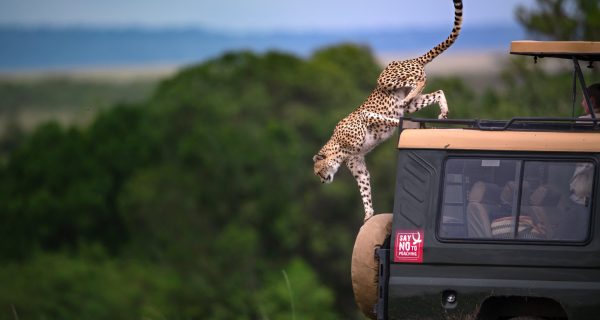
(437, 50)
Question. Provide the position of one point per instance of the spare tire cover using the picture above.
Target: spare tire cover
(365, 266)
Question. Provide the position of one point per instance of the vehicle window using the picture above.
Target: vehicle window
(548, 200)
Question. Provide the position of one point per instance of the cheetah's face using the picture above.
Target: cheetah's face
(325, 167)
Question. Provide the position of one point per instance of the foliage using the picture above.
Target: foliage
(295, 285)
(206, 181)
(562, 19)
(90, 285)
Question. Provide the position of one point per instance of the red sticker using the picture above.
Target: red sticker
(409, 246)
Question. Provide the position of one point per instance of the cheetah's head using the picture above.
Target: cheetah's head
(325, 167)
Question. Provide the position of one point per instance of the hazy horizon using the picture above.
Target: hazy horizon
(254, 16)
(72, 33)
(68, 48)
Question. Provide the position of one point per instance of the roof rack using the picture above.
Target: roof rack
(514, 124)
(573, 50)
(582, 50)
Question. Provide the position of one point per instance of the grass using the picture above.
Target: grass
(289, 287)
(30, 101)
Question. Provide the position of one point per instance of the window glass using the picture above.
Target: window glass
(556, 200)
(472, 196)
(482, 199)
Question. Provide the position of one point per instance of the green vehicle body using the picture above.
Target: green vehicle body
(455, 273)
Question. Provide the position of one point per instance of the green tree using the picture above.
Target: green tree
(60, 187)
(562, 19)
(89, 285)
(246, 126)
(295, 293)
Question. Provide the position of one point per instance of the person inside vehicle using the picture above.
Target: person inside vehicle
(581, 181)
(580, 185)
(594, 93)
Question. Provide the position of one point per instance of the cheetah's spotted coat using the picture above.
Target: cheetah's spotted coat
(398, 91)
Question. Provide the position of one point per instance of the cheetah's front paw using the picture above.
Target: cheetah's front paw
(443, 115)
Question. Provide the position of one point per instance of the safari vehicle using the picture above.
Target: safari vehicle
(491, 220)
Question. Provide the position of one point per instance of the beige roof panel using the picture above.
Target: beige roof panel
(556, 48)
(465, 139)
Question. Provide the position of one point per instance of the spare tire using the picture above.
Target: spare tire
(365, 266)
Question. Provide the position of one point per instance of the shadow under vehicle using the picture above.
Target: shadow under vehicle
(491, 219)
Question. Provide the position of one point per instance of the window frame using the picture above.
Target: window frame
(521, 159)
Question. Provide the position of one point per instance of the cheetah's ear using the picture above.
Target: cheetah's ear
(318, 157)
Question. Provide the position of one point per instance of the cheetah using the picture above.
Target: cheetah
(398, 90)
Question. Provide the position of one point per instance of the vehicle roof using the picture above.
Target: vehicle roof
(582, 50)
(472, 139)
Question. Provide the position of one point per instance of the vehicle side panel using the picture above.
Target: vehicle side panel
(476, 270)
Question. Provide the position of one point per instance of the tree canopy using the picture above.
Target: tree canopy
(562, 19)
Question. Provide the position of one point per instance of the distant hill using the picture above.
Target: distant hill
(27, 49)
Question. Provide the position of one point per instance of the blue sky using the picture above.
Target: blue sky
(254, 15)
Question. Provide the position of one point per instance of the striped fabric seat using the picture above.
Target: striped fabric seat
(504, 228)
